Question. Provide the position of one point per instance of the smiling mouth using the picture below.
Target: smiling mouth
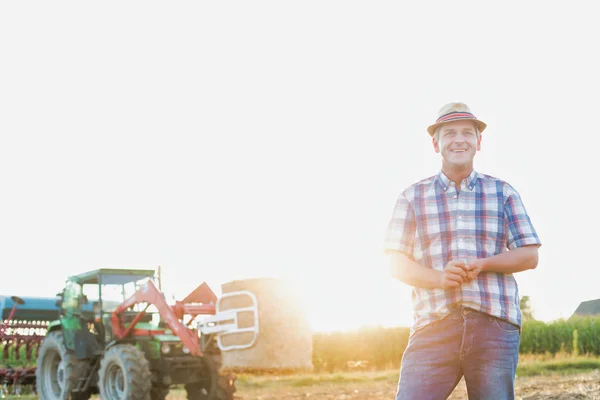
(459, 151)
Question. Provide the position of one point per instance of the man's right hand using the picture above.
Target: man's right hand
(454, 274)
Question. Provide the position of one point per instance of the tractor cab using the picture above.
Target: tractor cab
(87, 303)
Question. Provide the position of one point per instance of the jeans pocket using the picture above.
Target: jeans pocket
(506, 326)
(431, 326)
(421, 329)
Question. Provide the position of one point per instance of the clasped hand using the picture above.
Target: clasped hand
(458, 272)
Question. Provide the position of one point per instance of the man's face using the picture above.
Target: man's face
(458, 143)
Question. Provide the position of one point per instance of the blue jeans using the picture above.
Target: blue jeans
(483, 348)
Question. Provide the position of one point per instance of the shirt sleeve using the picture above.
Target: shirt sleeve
(520, 230)
(400, 234)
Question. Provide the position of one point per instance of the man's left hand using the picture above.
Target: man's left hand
(473, 269)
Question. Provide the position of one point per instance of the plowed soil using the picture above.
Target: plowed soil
(556, 387)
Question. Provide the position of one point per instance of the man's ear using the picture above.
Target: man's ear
(436, 145)
(479, 142)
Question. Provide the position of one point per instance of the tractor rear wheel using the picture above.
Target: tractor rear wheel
(57, 370)
(212, 385)
(124, 374)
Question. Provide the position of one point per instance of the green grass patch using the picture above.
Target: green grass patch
(316, 379)
(561, 367)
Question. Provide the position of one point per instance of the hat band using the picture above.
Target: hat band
(454, 116)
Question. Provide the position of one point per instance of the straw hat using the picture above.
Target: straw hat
(454, 112)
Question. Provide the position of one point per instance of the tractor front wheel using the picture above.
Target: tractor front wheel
(57, 370)
(211, 385)
(124, 374)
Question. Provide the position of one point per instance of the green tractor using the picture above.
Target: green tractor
(118, 337)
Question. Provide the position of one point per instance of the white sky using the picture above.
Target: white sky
(234, 140)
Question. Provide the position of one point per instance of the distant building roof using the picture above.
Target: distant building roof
(588, 308)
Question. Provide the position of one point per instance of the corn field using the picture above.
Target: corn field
(378, 348)
(574, 336)
(366, 348)
(382, 348)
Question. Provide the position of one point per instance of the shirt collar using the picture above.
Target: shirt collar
(445, 182)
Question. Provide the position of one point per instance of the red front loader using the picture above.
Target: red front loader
(137, 348)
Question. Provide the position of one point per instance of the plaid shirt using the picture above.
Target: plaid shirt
(433, 223)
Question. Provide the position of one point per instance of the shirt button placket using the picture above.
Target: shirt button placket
(459, 225)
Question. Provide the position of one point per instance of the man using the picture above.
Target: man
(457, 238)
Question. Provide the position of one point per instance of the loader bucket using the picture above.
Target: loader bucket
(235, 321)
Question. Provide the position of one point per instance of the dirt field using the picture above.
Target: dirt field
(383, 386)
(580, 386)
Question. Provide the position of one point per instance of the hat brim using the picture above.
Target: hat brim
(480, 125)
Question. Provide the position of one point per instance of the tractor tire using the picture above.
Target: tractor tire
(213, 385)
(124, 374)
(159, 392)
(57, 370)
(81, 396)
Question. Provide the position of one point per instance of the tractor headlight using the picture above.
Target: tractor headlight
(185, 350)
(165, 348)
